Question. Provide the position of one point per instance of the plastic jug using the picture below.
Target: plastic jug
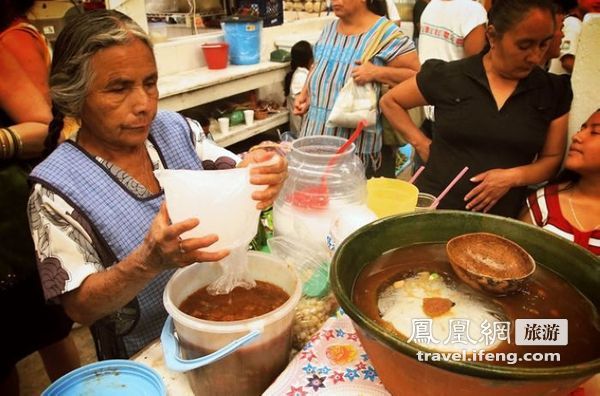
(387, 197)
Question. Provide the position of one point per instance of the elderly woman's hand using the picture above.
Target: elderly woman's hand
(271, 171)
(493, 184)
(166, 249)
(364, 73)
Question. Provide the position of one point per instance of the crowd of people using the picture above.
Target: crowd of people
(89, 238)
(490, 101)
(496, 112)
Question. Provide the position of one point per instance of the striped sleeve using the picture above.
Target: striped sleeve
(395, 48)
(538, 209)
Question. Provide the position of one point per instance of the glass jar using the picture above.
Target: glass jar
(320, 184)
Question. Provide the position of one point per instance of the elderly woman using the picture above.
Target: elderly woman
(569, 206)
(497, 113)
(337, 59)
(102, 234)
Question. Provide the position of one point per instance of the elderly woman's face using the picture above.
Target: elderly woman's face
(123, 96)
(519, 50)
(583, 156)
(344, 8)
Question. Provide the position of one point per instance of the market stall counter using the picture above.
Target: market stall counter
(333, 362)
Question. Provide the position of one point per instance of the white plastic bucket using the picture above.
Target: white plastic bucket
(251, 365)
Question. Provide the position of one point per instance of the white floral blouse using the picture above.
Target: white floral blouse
(63, 239)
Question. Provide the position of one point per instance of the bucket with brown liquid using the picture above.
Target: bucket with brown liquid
(241, 357)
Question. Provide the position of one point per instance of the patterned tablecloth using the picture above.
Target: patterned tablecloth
(333, 362)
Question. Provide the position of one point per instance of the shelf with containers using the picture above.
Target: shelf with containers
(191, 88)
(186, 83)
(242, 132)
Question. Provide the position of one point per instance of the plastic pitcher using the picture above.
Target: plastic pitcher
(242, 33)
(230, 358)
(220, 199)
(387, 197)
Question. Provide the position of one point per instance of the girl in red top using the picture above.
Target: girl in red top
(571, 206)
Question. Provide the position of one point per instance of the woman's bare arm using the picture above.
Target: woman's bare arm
(398, 70)
(475, 41)
(24, 103)
(394, 106)
(105, 292)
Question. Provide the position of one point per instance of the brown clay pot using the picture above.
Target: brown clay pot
(396, 361)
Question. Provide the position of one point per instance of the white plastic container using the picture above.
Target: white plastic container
(327, 183)
(249, 368)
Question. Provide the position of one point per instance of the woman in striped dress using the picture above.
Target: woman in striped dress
(571, 207)
(337, 59)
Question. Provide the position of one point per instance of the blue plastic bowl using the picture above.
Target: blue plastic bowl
(109, 377)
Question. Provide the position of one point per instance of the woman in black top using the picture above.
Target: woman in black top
(497, 113)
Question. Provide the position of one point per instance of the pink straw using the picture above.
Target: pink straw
(417, 173)
(452, 183)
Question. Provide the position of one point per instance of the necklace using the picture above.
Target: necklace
(578, 223)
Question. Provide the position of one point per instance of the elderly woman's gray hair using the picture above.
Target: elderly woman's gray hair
(81, 38)
(70, 74)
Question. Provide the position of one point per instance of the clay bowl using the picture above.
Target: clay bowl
(260, 114)
(396, 361)
(490, 262)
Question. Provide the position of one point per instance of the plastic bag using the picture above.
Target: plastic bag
(235, 273)
(222, 201)
(354, 103)
(311, 263)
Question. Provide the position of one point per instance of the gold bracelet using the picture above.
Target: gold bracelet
(17, 139)
(3, 145)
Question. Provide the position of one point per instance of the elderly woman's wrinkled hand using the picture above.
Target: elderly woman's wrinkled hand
(364, 73)
(270, 171)
(166, 249)
(493, 184)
